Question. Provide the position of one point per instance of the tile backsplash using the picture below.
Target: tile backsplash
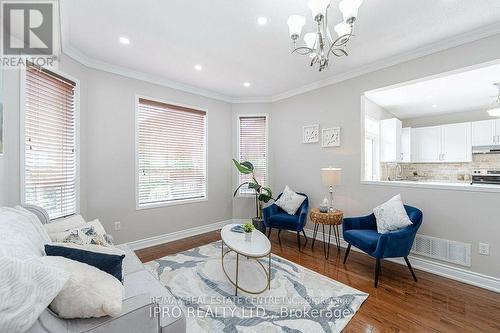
(449, 172)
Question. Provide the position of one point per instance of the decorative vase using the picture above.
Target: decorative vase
(248, 236)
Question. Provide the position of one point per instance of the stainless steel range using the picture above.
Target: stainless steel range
(486, 177)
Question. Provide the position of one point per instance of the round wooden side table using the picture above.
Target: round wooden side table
(331, 219)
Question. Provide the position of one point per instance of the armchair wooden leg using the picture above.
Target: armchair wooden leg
(269, 232)
(304, 233)
(411, 269)
(377, 271)
(298, 239)
(347, 252)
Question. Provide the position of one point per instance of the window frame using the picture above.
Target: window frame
(136, 155)
(248, 115)
(22, 136)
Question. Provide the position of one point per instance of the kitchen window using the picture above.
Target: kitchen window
(171, 154)
(49, 174)
(252, 147)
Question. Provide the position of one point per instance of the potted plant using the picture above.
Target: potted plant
(248, 228)
(262, 194)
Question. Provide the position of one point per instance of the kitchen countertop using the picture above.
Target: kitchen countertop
(443, 185)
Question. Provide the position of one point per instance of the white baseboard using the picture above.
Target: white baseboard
(450, 272)
(173, 236)
(454, 273)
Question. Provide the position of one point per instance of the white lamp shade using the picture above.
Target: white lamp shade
(342, 29)
(318, 7)
(494, 112)
(310, 39)
(349, 8)
(331, 176)
(295, 24)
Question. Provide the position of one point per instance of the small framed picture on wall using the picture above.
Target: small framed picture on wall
(310, 134)
(330, 137)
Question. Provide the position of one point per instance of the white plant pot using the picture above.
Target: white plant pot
(248, 236)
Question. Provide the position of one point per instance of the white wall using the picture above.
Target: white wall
(462, 216)
(111, 159)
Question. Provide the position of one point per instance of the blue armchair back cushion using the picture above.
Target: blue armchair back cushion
(361, 232)
(275, 217)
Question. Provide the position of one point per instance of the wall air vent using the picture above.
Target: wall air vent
(442, 249)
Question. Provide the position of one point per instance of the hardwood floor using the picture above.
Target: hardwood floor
(433, 304)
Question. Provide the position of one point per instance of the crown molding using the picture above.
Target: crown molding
(90, 62)
(470, 36)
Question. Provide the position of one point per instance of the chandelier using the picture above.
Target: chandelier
(320, 45)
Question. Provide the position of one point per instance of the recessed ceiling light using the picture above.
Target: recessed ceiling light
(246, 84)
(262, 20)
(434, 106)
(124, 40)
(429, 96)
(198, 67)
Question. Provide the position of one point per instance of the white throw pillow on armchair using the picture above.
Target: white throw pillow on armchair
(290, 201)
(391, 215)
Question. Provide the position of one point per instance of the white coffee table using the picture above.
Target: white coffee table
(258, 247)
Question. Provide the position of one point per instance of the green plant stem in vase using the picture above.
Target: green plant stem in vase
(262, 194)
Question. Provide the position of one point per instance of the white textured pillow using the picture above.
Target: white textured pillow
(88, 293)
(60, 225)
(82, 235)
(27, 288)
(290, 201)
(391, 215)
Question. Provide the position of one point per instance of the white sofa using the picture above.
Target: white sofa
(138, 311)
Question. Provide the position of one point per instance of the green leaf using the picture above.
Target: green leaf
(248, 165)
(241, 168)
(236, 191)
(264, 197)
(268, 190)
(254, 186)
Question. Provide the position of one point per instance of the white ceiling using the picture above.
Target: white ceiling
(169, 37)
(471, 90)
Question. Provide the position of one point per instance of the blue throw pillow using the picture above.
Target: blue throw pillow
(106, 259)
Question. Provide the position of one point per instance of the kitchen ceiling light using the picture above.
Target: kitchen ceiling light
(124, 40)
(198, 67)
(323, 45)
(434, 106)
(246, 84)
(262, 20)
(494, 109)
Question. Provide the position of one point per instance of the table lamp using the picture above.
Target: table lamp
(331, 177)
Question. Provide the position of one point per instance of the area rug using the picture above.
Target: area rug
(299, 300)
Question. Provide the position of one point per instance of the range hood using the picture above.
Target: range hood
(486, 149)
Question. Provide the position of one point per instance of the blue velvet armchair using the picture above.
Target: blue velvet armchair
(275, 217)
(361, 232)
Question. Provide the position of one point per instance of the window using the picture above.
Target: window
(171, 154)
(252, 147)
(49, 164)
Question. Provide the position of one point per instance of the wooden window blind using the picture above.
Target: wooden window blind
(171, 153)
(50, 143)
(252, 147)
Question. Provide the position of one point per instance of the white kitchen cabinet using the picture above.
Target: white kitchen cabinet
(406, 144)
(439, 144)
(390, 140)
(456, 143)
(426, 143)
(486, 132)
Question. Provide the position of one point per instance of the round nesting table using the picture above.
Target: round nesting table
(331, 219)
(258, 247)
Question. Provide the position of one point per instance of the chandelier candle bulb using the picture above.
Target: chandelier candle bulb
(349, 9)
(295, 25)
(318, 8)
